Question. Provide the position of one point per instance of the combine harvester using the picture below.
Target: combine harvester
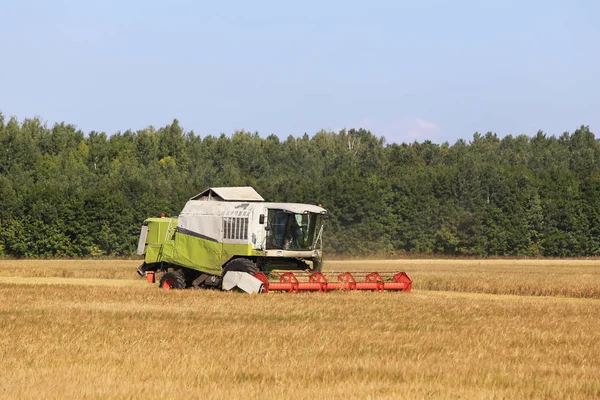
(229, 237)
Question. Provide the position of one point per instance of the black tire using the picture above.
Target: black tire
(172, 280)
(242, 265)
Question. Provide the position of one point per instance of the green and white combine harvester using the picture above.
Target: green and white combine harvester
(230, 238)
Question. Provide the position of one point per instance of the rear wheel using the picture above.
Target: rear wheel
(242, 265)
(172, 280)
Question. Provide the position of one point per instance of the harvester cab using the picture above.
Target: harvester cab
(229, 237)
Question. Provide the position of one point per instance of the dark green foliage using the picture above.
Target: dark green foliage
(65, 194)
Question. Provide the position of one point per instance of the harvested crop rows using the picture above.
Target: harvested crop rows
(469, 329)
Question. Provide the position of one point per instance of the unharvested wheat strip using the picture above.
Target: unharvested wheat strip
(15, 280)
(68, 264)
(417, 293)
(502, 297)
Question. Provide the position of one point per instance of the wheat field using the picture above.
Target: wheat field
(513, 329)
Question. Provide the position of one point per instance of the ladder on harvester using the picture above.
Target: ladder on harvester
(170, 231)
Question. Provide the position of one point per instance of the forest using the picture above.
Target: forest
(68, 193)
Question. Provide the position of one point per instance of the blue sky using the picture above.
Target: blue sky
(406, 70)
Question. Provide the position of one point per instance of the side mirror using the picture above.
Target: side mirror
(261, 219)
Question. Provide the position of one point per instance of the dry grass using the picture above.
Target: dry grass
(112, 341)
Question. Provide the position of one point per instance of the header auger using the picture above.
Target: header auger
(230, 238)
(317, 282)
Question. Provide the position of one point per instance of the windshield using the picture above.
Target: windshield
(289, 231)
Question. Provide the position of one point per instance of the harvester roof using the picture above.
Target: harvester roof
(238, 193)
(221, 200)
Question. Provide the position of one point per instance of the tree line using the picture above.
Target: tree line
(66, 193)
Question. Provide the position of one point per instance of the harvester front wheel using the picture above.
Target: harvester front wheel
(242, 265)
(172, 280)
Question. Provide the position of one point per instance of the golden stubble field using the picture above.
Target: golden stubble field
(470, 329)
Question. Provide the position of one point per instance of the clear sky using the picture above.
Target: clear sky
(406, 70)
